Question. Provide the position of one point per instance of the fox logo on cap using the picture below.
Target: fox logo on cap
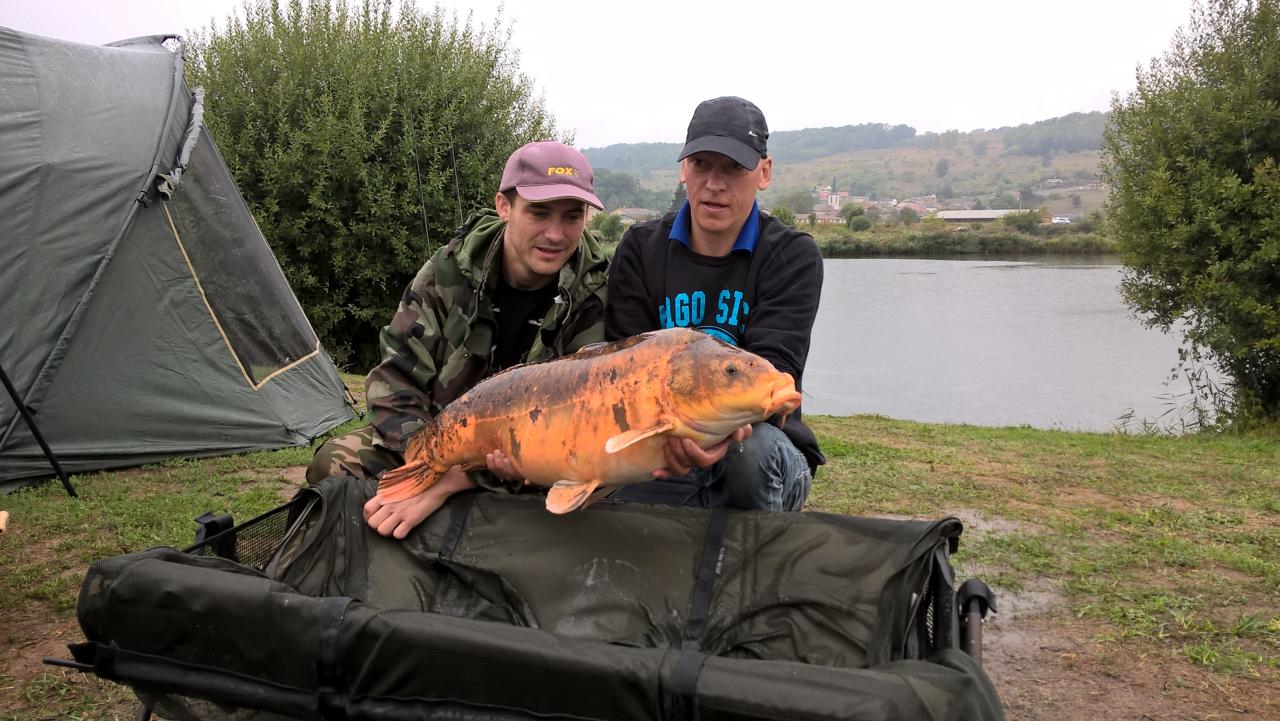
(560, 170)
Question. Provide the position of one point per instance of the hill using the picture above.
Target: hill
(893, 161)
(794, 145)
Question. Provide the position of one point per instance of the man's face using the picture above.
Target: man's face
(540, 238)
(721, 191)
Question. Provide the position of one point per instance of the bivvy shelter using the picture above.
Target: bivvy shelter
(142, 314)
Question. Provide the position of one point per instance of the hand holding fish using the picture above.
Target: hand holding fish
(502, 467)
(395, 519)
(683, 455)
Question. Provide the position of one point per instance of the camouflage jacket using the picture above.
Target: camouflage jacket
(442, 338)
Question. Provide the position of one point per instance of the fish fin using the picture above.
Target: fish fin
(406, 481)
(598, 494)
(474, 466)
(627, 438)
(567, 496)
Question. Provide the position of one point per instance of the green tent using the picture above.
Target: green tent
(144, 316)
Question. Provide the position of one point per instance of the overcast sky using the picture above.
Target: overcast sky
(614, 75)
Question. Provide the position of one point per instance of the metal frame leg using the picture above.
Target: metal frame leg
(976, 599)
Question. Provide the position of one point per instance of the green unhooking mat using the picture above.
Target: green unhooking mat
(496, 609)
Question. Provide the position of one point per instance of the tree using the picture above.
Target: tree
(859, 223)
(678, 198)
(942, 167)
(361, 137)
(1067, 134)
(980, 147)
(908, 216)
(784, 214)
(608, 226)
(1190, 156)
(977, 205)
(851, 210)
(813, 219)
(801, 202)
(617, 189)
(1075, 200)
(1027, 221)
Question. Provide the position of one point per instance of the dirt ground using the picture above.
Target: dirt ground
(1049, 666)
(1046, 664)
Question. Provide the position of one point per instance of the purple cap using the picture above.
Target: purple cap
(548, 170)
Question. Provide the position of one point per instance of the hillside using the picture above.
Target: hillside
(1054, 157)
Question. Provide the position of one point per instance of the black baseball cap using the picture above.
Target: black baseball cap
(729, 126)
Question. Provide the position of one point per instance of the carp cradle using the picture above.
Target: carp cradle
(495, 609)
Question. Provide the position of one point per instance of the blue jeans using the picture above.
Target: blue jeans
(765, 472)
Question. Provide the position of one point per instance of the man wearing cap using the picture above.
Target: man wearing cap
(721, 266)
(521, 283)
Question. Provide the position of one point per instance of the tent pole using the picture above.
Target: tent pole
(31, 423)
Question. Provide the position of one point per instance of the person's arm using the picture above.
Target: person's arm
(398, 390)
(780, 324)
(630, 311)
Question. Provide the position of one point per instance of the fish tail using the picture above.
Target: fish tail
(407, 481)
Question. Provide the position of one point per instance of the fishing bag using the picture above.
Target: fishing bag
(495, 609)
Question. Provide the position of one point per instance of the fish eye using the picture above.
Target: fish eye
(731, 370)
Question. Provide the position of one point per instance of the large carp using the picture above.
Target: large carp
(598, 418)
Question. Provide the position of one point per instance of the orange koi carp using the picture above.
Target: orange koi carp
(599, 418)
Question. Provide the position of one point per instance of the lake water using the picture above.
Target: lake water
(1047, 343)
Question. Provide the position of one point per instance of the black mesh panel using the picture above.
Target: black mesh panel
(241, 280)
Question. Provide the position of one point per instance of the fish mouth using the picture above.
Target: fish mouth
(783, 398)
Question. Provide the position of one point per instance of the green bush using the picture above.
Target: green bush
(1191, 159)
(360, 139)
(926, 241)
(1027, 221)
(784, 214)
(607, 226)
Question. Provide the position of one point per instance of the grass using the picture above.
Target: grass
(1174, 540)
(1169, 544)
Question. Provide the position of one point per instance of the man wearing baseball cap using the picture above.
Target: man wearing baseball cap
(721, 266)
(523, 282)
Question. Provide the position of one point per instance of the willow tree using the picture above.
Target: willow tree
(1195, 205)
(361, 137)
